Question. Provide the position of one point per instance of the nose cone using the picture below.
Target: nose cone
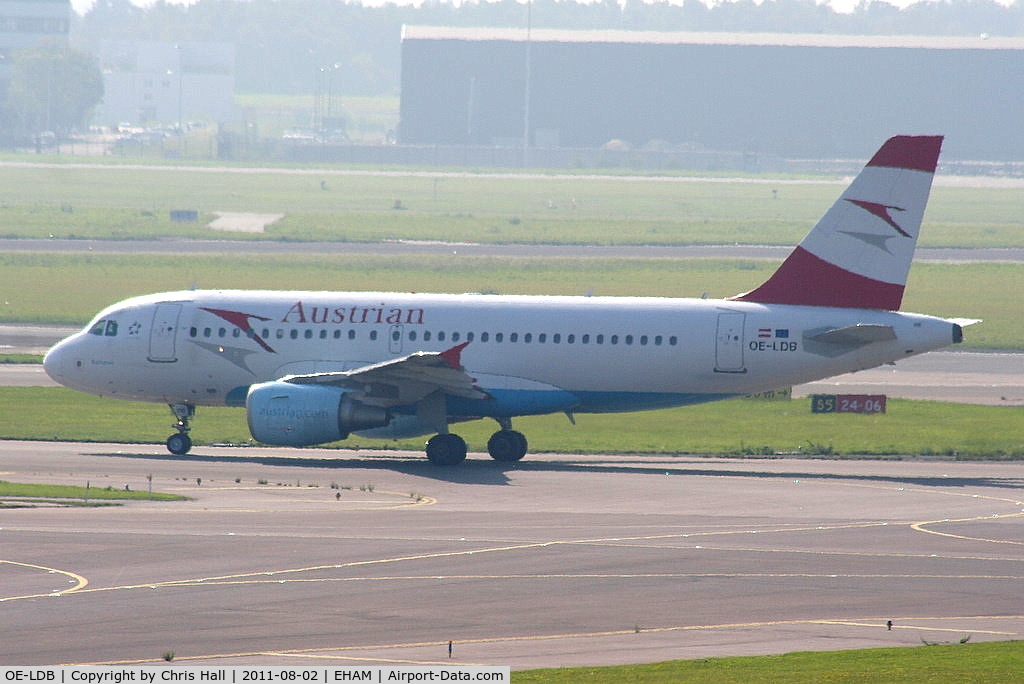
(53, 362)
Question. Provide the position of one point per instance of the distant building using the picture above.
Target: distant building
(760, 94)
(27, 23)
(151, 82)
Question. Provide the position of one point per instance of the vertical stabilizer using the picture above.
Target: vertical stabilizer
(859, 253)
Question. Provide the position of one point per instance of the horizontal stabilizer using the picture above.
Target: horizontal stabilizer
(854, 335)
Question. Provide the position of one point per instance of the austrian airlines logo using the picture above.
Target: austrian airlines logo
(882, 211)
(242, 322)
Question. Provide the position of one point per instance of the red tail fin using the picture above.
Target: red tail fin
(859, 253)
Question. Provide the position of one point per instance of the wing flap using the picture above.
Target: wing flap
(404, 380)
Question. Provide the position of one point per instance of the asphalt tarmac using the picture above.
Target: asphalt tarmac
(557, 561)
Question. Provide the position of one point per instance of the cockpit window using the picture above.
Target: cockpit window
(104, 329)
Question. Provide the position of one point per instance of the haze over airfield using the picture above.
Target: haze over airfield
(842, 6)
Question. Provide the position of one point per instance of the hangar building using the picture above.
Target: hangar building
(795, 95)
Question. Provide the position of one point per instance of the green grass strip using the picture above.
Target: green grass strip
(53, 288)
(737, 428)
(23, 490)
(996, 662)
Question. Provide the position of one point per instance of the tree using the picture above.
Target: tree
(52, 88)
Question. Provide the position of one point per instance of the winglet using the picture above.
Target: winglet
(453, 356)
(859, 253)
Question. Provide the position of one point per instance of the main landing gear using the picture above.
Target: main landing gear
(505, 446)
(180, 443)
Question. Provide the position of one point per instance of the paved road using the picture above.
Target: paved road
(558, 561)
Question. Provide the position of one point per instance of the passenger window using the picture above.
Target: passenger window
(412, 335)
(440, 336)
(337, 334)
(556, 338)
(455, 337)
(542, 338)
(207, 332)
(629, 339)
(585, 339)
(308, 334)
(294, 334)
(469, 337)
(499, 337)
(672, 340)
(484, 337)
(426, 335)
(373, 334)
(570, 339)
(222, 332)
(513, 337)
(395, 335)
(600, 339)
(527, 338)
(643, 340)
(657, 340)
(323, 334)
(352, 334)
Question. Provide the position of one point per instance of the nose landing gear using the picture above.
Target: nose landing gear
(180, 443)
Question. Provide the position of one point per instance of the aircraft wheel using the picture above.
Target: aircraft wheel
(179, 444)
(507, 446)
(446, 450)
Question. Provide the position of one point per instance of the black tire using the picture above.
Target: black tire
(507, 446)
(179, 444)
(446, 450)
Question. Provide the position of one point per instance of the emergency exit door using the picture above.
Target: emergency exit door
(163, 333)
(729, 343)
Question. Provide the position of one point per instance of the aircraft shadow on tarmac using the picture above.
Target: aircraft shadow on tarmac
(488, 472)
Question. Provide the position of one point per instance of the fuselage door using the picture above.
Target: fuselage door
(729, 343)
(163, 333)
(395, 335)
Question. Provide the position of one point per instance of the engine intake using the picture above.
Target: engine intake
(286, 414)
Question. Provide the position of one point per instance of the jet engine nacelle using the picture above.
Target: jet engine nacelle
(287, 414)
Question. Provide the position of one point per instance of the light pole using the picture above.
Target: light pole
(526, 90)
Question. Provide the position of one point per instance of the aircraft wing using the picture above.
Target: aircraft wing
(402, 381)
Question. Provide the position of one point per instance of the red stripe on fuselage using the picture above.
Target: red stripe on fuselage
(914, 152)
(806, 280)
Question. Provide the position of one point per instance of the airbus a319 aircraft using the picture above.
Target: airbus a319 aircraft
(313, 367)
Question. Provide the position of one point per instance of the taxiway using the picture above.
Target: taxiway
(316, 556)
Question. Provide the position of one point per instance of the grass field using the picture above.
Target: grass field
(740, 427)
(20, 493)
(993, 662)
(128, 202)
(48, 288)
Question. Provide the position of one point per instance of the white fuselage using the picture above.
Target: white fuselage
(529, 354)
